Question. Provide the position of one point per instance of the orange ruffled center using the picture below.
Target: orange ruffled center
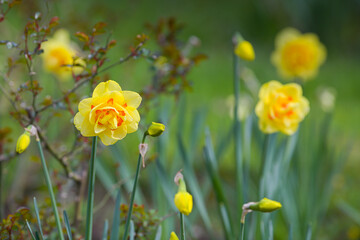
(283, 107)
(109, 115)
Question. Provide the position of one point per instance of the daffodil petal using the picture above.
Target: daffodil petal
(105, 87)
(85, 106)
(106, 138)
(133, 99)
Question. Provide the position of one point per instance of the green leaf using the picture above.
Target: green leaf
(116, 218)
(31, 232)
(38, 218)
(350, 211)
(67, 225)
(158, 233)
(132, 230)
(105, 232)
(210, 162)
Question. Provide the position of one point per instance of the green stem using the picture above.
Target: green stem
(90, 201)
(237, 135)
(242, 231)
(182, 227)
(128, 218)
(50, 189)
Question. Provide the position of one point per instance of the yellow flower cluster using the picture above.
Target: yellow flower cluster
(281, 107)
(298, 55)
(59, 54)
(110, 113)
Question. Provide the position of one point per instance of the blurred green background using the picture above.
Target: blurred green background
(214, 23)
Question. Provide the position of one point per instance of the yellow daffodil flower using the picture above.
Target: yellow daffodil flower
(281, 107)
(110, 113)
(266, 205)
(156, 129)
(58, 53)
(298, 55)
(245, 51)
(173, 236)
(23, 142)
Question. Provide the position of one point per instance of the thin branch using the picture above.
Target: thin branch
(62, 160)
(85, 80)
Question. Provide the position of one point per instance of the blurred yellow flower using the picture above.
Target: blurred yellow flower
(265, 205)
(353, 233)
(184, 202)
(160, 62)
(281, 107)
(298, 55)
(23, 142)
(156, 129)
(110, 113)
(173, 236)
(59, 52)
(245, 50)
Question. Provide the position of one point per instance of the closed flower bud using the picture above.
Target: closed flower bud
(183, 200)
(265, 205)
(245, 51)
(156, 129)
(23, 142)
(173, 236)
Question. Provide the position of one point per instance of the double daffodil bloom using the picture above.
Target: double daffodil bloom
(281, 107)
(59, 53)
(110, 113)
(298, 55)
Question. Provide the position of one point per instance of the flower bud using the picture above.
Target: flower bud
(155, 129)
(183, 200)
(245, 51)
(173, 236)
(265, 205)
(23, 142)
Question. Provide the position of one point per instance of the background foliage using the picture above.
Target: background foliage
(204, 106)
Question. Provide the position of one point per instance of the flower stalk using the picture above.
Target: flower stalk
(237, 132)
(131, 204)
(182, 227)
(50, 189)
(90, 203)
